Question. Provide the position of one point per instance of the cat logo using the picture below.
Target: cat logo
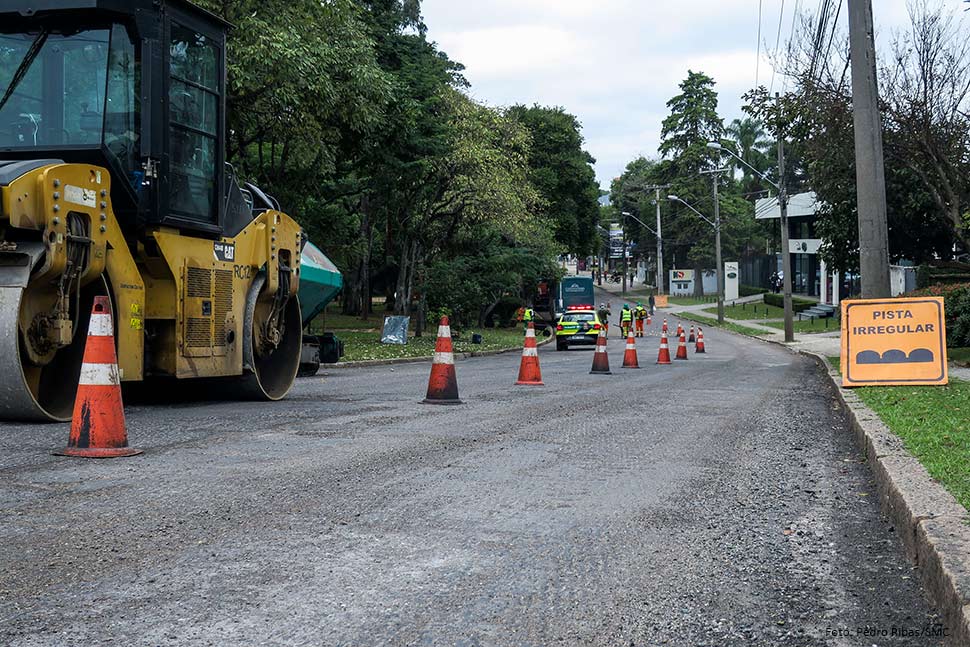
(225, 252)
(894, 342)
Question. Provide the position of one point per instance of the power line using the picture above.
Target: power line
(757, 61)
(781, 17)
(835, 24)
(791, 37)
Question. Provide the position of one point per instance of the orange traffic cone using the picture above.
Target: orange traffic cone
(699, 348)
(664, 331)
(443, 383)
(664, 356)
(680, 329)
(98, 424)
(601, 361)
(649, 320)
(630, 359)
(529, 373)
(691, 339)
(682, 347)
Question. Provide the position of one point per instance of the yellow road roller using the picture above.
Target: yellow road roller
(113, 181)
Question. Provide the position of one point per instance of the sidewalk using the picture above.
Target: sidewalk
(828, 344)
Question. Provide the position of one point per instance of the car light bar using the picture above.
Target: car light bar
(581, 307)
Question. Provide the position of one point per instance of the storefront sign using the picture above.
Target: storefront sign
(804, 245)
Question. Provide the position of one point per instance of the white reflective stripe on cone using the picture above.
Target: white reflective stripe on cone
(530, 352)
(630, 346)
(444, 331)
(600, 349)
(99, 375)
(530, 332)
(444, 358)
(100, 326)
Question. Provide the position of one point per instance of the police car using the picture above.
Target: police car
(579, 325)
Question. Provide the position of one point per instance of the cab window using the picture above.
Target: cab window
(193, 122)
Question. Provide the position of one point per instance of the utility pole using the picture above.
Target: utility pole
(717, 248)
(623, 229)
(660, 248)
(869, 162)
(785, 248)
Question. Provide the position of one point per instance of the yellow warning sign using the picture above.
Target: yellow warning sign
(894, 342)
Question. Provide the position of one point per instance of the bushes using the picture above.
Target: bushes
(750, 290)
(942, 273)
(957, 311)
(797, 304)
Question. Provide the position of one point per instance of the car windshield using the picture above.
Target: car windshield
(577, 317)
(69, 89)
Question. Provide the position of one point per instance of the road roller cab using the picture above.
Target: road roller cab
(113, 181)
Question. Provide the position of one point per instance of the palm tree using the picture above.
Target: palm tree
(748, 137)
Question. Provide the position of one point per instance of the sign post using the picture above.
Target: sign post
(887, 342)
(732, 282)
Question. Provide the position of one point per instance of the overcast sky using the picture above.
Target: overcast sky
(615, 63)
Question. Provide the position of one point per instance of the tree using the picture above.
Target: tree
(562, 173)
(747, 139)
(693, 123)
(924, 92)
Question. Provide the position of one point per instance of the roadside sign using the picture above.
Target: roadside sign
(888, 342)
(660, 300)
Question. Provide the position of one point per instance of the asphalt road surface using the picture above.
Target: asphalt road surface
(719, 501)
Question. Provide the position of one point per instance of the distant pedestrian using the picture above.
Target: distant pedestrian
(653, 305)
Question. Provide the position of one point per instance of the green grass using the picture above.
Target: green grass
(362, 345)
(750, 312)
(712, 323)
(934, 423)
(807, 325)
(690, 301)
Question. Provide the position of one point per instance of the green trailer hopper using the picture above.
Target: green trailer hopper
(320, 282)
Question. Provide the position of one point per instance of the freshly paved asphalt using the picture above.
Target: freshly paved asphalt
(719, 501)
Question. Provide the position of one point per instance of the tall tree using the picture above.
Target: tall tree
(563, 174)
(692, 123)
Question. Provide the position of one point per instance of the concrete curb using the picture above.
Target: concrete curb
(415, 360)
(934, 527)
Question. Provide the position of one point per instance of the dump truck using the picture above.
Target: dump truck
(114, 181)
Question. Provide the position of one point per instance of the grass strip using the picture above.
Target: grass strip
(707, 321)
(750, 311)
(934, 424)
(360, 345)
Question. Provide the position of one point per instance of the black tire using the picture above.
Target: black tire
(561, 346)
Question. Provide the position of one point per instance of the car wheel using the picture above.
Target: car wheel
(561, 346)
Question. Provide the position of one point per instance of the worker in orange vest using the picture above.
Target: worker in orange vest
(640, 314)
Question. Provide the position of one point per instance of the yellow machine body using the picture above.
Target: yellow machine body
(179, 302)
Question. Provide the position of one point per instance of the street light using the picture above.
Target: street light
(601, 261)
(656, 233)
(716, 224)
(785, 252)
